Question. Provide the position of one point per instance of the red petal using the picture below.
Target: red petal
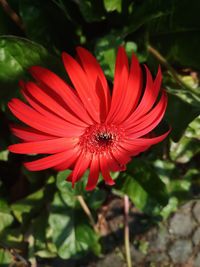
(150, 94)
(48, 101)
(122, 156)
(149, 97)
(73, 156)
(48, 162)
(151, 120)
(132, 92)
(113, 164)
(28, 134)
(96, 79)
(80, 167)
(157, 82)
(120, 83)
(148, 141)
(105, 171)
(48, 114)
(94, 173)
(34, 119)
(51, 80)
(47, 146)
(81, 83)
(132, 147)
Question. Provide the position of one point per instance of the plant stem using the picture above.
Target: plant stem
(12, 14)
(166, 64)
(16, 255)
(126, 231)
(87, 211)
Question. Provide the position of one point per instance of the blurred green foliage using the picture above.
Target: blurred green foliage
(40, 216)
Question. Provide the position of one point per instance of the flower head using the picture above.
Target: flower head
(83, 126)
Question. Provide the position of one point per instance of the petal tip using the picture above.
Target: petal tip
(90, 188)
(110, 182)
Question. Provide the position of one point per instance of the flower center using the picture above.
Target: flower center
(104, 138)
(100, 138)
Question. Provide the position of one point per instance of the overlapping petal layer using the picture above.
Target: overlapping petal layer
(85, 127)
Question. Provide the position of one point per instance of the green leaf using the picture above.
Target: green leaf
(189, 97)
(170, 26)
(94, 198)
(137, 194)
(39, 226)
(47, 24)
(172, 33)
(4, 155)
(171, 207)
(188, 93)
(130, 47)
(139, 184)
(193, 130)
(41, 244)
(177, 186)
(6, 218)
(16, 56)
(92, 10)
(188, 145)
(105, 51)
(23, 207)
(144, 12)
(165, 169)
(13, 238)
(61, 182)
(66, 187)
(112, 5)
(71, 232)
(143, 171)
(5, 258)
(184, 150)
(179, 114)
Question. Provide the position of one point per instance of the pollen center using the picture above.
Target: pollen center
(104, 138)
(100, 138)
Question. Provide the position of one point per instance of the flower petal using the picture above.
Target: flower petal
(47, 146)
(148, 141)
(151, 120)
(132, 92)
(80, 167)
(96, 79)
(147, 100)
(120, 83)
(29, 134)
(112, 163)
(55, 83)
(150, 94)
(47, 162)
(94, 173)
(81, 83)
(48, 114)
(73, 156)
(34, 119)
(133, 148)
(122, 156)
(49, 103)
(105, 171)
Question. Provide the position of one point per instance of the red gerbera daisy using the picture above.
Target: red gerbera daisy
(84, 127)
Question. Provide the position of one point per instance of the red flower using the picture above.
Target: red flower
(85, 127)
